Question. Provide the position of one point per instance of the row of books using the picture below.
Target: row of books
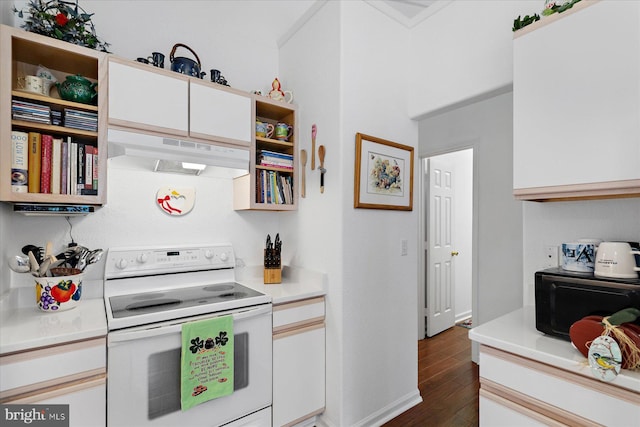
(32, 112)
(274, 187)
(42, 163)
(275, 159)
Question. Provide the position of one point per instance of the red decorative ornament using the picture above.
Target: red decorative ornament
(61, 19)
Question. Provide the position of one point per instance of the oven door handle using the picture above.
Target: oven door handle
(175, 326)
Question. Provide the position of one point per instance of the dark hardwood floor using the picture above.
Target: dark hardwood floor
(448, 383)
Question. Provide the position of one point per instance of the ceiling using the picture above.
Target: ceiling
(409, 8)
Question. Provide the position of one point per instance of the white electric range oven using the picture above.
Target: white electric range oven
(149, 294)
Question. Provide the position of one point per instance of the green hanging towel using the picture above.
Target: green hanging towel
(207, 360)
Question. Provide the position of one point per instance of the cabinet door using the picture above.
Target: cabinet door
(148, 99)
(87, 406)
(577, 98)
(220, 115)
(298, 374)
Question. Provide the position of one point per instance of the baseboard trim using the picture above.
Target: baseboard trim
(463, 316)
(391, 411)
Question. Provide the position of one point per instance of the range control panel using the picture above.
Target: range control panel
(131, 262)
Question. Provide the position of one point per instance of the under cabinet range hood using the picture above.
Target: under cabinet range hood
(175, 150)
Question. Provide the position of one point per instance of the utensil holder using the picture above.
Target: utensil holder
(61, 292)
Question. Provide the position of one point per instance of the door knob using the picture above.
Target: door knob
(454, 253)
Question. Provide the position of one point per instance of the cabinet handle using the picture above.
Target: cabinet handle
(454, 253)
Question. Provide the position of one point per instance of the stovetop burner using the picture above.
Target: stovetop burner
(179, 298)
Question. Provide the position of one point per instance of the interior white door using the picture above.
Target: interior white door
(440, 250)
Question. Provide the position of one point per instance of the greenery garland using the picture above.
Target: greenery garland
(62, 20)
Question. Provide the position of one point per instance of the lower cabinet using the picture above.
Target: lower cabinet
(70, 374)
(298, 361)
(518, 391)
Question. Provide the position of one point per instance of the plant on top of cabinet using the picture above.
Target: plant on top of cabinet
(52, 147)
(62, 20)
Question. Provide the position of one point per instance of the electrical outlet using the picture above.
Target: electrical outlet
(550, 256)
(404, 247)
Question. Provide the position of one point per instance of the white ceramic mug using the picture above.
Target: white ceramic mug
(31, 84)
(616, 259)
(578, 257)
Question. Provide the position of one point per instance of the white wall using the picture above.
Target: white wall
(487, 127)
(237, 38)
(547, 224)
(310, 60)
(372, 290)
(463, 53)
(380, 316)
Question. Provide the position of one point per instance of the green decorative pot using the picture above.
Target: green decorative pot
(78, 89)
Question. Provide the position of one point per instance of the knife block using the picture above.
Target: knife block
(272, 276)
(272, 267)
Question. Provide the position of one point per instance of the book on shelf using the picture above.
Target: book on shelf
(46, 142)
(88, 168)
(80, 167)
(95, 169)
(272, 187)
(64, 167)
(73, 169)
(35, 160)
(56, 165)
(19, 162)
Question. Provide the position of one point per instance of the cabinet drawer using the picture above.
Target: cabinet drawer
(43, 367)
(298, 313)
(558, 388)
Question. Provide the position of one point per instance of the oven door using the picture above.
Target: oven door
(143, 385)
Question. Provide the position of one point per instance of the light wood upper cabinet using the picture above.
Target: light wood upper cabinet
(148, 99)
(47, 116)
(576, 105)
(219, 113)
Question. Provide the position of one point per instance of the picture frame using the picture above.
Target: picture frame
(383, 174)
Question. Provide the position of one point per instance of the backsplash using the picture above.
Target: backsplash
(546, 224)
(132, 217)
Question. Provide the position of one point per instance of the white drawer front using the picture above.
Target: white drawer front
(32, 367)
(298, 312)
(565, 390)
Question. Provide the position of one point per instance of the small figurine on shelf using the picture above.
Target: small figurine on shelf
(278, 94)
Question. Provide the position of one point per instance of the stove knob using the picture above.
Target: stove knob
(142, 258)
(208, 254)
(121, 263)
(224, 257)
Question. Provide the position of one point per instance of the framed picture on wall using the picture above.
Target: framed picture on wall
(383, 174)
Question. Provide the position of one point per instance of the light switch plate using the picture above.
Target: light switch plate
(404, 247)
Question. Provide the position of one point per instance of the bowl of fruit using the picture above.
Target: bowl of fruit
(61, 291)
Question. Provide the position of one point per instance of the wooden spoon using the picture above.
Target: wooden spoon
(303, 163)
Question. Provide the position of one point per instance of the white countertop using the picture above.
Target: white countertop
(27, 328)
(516, 333)
(24, 327)
(297, 283)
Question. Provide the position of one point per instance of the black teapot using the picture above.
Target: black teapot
(186, 65)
